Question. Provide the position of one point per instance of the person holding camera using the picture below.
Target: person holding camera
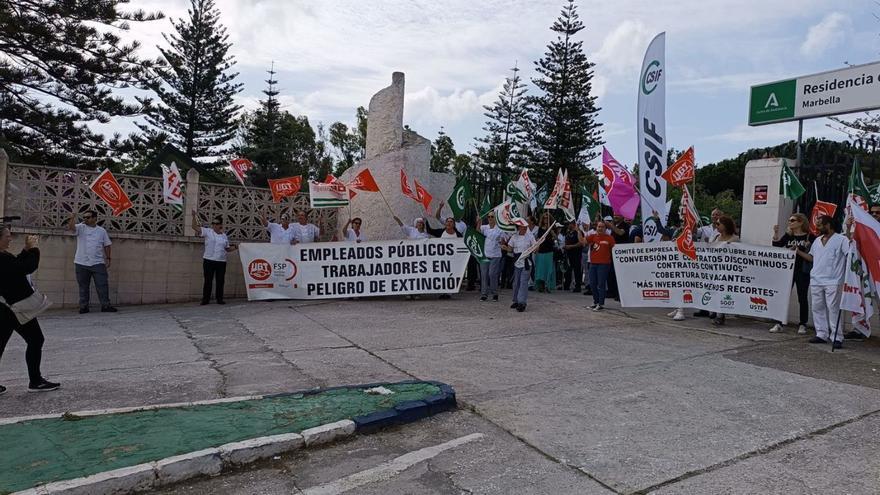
(16, 290)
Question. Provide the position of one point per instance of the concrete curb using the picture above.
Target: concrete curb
(214, 461)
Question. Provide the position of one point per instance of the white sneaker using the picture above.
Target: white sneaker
(672, 313)
(679, 315)
(802, 330)
(597, 307)
(776, 328)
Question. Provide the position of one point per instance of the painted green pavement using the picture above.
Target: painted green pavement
(40, 451)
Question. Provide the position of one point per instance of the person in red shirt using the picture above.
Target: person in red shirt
(600, 245)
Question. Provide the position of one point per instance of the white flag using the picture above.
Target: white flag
(858, 291)
(172, 190)
(651, 129)
(553, 199)
(603, 196)
(566, 203)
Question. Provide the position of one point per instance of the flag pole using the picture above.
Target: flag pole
(385, 200)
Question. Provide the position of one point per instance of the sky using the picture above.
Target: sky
(332, 56)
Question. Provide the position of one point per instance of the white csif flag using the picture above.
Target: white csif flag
(651, 130)
(172, 185)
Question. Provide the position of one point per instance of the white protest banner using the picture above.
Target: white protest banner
(330, 270)
(731, 278)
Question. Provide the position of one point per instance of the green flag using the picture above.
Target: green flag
(486, 207)
(875, 193)
(514, 193)
(589, 206)
(459, 198)
(857, 186)
(789, 185)
(541, 195)
(476, 244)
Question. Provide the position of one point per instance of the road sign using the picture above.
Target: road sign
(835, 92)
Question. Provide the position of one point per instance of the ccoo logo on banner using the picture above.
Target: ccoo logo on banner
(729, 278)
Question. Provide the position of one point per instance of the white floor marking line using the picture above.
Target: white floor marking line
(388, 470)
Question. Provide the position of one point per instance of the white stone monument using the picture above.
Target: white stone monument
(763, 206)
(391, 148)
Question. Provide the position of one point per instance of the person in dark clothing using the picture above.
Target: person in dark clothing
(620, 233)
(573, 250)
(14, 287)
(798, 238)
(545, 269)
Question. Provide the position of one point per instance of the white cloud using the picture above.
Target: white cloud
(624, 47)
(828, 33)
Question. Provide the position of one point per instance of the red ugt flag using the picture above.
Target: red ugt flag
(682, 171)
(404, 186)
(363, 181)
(240, 167)
(423, 196)
(106, 187)
(282, 188)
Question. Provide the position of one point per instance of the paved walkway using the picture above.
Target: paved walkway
(569, 401)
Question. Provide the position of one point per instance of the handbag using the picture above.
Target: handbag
(30, 307)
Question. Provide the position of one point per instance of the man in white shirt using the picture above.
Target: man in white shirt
(279, 233)
(305, 232)
(491, 271)
(92, 259)
(217, 246)
(828, 255)
(707, 232)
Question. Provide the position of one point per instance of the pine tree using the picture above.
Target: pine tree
(279, 144)
(507, 127)
(59, 65)
(442, 153)
(195, 90)
(566, 132)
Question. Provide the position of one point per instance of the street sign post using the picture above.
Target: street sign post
(836, 92)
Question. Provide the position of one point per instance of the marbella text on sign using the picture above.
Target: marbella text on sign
(835, 92)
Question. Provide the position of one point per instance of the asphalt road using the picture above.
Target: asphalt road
(555, 400)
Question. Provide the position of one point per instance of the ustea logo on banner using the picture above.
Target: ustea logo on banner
(655, 294)
(260, 269)
(757, 303)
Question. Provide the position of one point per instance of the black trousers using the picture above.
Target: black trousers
(574, 269)
(802, 284)
(612, 284)
(215, 271)
(507, 263)
(33, 337)
(473, 271)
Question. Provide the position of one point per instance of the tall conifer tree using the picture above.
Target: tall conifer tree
(196, 89)
(507, 126)
(566, 132)
(59, 64)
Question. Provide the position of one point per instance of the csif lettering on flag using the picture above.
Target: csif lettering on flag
(282, 188)
(240, 168)
(108, 189)
(172, 192)
(682, 171)
(476, 244)
(651, 129)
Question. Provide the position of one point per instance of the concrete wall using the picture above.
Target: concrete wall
(143, 271)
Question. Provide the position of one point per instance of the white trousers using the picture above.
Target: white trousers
(825, 303)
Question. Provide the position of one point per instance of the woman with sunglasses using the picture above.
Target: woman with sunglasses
(353, 232)
(214, 260)
(797, 238)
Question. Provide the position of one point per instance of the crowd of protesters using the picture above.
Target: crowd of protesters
(575, 257)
